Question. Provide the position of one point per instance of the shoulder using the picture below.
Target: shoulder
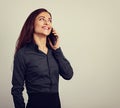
(21, 51)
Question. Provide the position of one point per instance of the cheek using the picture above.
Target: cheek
(37, 27)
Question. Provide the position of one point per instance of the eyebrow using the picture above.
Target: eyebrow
(44, 17)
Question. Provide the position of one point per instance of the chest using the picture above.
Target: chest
(39, 64)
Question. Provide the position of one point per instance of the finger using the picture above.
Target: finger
(54, 31)
(55, 34)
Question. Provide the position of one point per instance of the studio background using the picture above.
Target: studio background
(90, 39)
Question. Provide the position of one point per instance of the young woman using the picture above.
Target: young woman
(38, 62)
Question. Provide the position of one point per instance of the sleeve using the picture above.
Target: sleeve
(18, 81)
(66, 70)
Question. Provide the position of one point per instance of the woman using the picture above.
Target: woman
(38, 62)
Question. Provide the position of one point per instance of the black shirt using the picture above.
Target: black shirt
(38, 71)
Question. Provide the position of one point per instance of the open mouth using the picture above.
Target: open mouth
(46, 28)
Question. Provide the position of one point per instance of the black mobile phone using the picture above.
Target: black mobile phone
(52, 38)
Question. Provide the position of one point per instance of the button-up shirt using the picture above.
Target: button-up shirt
(38, 71)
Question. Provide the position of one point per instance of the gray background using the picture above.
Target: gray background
(90, 33)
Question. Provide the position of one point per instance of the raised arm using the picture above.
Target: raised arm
(66, 70)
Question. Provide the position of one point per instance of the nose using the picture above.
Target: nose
(47, 22)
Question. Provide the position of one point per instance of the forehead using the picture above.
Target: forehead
(44, 14)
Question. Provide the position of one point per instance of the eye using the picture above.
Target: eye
(50, 20)
(41, 19)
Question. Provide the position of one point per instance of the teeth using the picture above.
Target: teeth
(46, 28)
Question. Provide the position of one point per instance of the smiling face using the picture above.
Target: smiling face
(43, 24)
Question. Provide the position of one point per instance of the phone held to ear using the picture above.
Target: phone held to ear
(52, 37)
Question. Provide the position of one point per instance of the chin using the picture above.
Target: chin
(46, 34)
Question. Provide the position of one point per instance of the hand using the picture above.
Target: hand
(56, 46)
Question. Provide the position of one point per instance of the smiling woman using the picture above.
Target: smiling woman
(43, 24)
(42, 28)
(38, 63)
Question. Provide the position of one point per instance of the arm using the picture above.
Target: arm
(18, 81)
(66, 70)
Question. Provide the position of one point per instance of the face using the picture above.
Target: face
(43, 24)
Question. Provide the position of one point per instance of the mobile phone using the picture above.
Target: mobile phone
(52, 38)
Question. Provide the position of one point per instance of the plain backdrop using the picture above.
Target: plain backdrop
(89, 31)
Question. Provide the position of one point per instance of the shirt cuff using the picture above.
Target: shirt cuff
(58, 53)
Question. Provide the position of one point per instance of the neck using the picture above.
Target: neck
(40, 41)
